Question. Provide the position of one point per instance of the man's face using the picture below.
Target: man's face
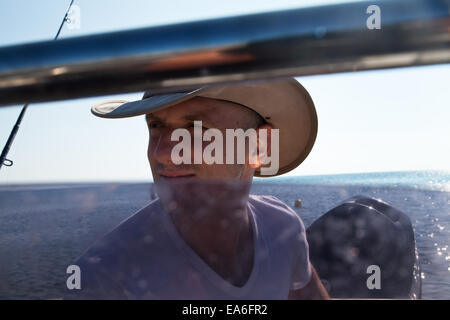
(213, 113)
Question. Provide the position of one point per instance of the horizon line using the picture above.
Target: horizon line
(143, 181)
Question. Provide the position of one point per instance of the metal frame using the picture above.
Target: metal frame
(307, 41)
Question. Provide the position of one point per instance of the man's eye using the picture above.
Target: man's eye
(192, 126)
(154, 125)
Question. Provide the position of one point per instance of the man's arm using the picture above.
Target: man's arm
(314, 290)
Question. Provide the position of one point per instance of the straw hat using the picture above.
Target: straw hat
(284, 104)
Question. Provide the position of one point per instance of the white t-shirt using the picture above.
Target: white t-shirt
(146, 258)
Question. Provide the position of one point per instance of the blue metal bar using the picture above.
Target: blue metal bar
(307, 41)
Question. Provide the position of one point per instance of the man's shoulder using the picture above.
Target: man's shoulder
(274, 211)
(271, 204)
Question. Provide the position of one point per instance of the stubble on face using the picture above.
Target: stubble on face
(199, 187)
(213, 113)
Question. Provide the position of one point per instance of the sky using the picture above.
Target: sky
(371, 121)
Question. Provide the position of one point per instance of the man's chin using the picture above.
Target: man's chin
(197, 181)
(177, 179)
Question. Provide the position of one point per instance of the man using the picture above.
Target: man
(205, 237)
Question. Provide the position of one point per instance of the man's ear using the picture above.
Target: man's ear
(264, 133)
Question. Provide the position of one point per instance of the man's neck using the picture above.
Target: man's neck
(210, 227)
(221, 235)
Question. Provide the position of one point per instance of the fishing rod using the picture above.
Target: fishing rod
(298, 42)
(3, 160)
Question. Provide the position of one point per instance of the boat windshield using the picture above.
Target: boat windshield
(359, 161)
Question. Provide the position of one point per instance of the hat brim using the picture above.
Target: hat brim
(284, 104)
(124, 109)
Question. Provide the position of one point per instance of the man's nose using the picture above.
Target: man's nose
(161, 147)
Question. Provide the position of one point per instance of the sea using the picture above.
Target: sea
(45, 227)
